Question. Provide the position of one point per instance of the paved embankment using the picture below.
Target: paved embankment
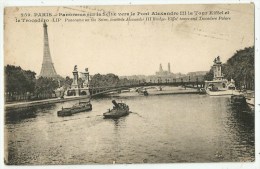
(165, 91)
(20, 105)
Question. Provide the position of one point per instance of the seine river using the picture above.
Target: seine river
(160, 129)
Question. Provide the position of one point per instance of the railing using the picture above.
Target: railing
(13, 97)
(100, 90)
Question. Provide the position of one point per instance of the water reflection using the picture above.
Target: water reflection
(116, 145)
(241, 123)
(245, 124)
(19, 115)
(16, 116)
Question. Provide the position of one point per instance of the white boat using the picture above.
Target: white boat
(250, 98)
(222, 92)
(250, 101)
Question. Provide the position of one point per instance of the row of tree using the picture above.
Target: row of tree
(18, 80)
(22, 84)
(110, 80)
(240, 67)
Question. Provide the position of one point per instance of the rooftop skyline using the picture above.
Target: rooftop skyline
(129, 48)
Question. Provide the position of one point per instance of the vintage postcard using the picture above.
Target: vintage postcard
(129, 84)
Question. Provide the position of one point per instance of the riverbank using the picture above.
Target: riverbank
(20, 105)
(166, 90)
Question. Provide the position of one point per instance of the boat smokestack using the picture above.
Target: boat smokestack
(115, 103)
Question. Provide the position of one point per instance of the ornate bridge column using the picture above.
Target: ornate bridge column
(85, 78)
(75, 85)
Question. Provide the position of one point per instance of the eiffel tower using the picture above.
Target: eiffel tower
(47, 69)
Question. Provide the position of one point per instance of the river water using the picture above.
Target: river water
(160, 129)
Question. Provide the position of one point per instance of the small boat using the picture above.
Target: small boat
(202, 91)
(250, 98)
(250, 101)
(143, 92)
(119, 110)
(238, 100)
(80, 107)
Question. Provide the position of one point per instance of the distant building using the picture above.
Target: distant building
(169, 67)
(161, 72)
(166, 76)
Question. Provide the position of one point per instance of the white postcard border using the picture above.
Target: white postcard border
(253, 165)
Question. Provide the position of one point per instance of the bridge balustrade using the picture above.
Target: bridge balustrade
(189, 82)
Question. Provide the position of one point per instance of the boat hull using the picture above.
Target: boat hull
(222, 92)
(238, 100)
(71, 111)
(64, 112)
(115, 114)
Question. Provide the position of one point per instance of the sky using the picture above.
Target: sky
(128, 48)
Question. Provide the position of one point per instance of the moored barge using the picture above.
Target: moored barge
(80, 107)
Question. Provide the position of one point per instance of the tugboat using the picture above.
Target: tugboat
(80, 107)
(119, 110)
